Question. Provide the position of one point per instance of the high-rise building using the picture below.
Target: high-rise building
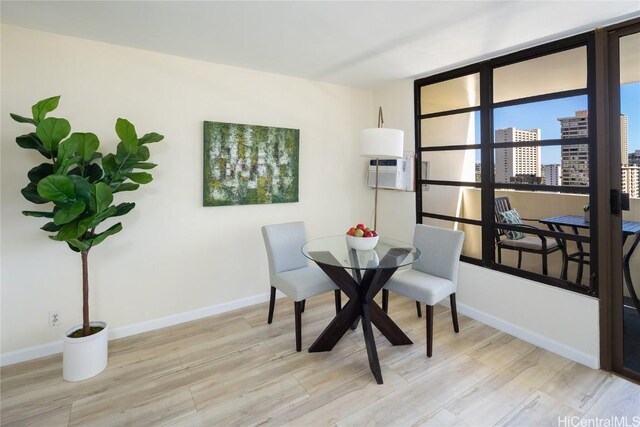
(518, 161)
(575, 158)
(631, 180)
(552, 174)
(624, 138)
(634, 158)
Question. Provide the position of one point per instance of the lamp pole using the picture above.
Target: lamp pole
(375, 198)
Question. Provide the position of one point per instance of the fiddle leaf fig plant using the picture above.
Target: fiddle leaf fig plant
(76, 185)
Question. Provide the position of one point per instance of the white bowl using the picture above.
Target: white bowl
(362, 243)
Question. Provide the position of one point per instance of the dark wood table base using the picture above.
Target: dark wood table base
(360, 291)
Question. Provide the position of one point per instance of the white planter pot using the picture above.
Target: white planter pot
(85, 357)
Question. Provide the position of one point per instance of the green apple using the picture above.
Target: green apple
(358, 233)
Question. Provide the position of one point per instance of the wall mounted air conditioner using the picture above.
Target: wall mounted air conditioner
(394, 174)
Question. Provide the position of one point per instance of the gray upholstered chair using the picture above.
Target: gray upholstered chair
(433, 277)
(290, 272)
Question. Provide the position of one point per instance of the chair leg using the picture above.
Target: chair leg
(272, 304)
(419, 308)
(429, 319)
(303, 304)
(338, 297)
(499, 255)
(545, 268)
(519, 259)
(297, 306)
(385, 300)
(454, 312)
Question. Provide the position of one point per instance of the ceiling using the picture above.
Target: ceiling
(355, 43)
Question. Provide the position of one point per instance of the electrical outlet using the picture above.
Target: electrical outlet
(54, 318)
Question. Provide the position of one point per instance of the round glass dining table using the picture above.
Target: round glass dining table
(388, 253)
(360, 275)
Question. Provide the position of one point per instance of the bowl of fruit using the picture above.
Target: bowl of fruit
(362, 238)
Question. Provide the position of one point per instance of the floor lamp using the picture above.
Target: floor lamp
(380, 143)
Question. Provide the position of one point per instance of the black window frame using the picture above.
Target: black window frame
(487, 147)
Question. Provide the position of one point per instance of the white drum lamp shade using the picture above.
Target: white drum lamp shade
(381, 143)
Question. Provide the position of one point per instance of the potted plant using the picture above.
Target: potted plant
(76, 185)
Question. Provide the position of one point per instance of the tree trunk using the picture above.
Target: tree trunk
(85, 294)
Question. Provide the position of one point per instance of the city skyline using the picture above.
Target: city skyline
(544, 116)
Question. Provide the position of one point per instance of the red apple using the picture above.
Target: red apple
(361, 227)
(374, 232)
(368, 234)
(351, 231)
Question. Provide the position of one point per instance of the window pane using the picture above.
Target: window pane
(455, 129)
(554, 119)
(454, 165)
(472, 246)
(461, 202)
(453, 94)
(566, 166)
(548, 74)
(542, 211)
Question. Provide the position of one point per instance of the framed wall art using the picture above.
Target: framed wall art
(248, 164)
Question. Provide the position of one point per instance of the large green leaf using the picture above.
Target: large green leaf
(38, 214)
(99, 238)
(41, 171)
(51, 227)
(104, 196)
(144, 165)
(82, 187)
(140, 177)
(88, 144)
(77, 245)
(70, 231)
(21, 119)
(143, 154)
(30, 192)
(92, 172)
(57, 188)
(124, 208)
(150, 138)
(126, 186)
(69, 213)
(40, 109)
(31, 141)
(67, 155)
(51, 131)
(95, 220)
(127, 133)
(109, 164)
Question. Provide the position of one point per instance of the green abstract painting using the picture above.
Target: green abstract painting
(247, 164)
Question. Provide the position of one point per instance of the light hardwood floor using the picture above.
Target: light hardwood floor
(234, 369)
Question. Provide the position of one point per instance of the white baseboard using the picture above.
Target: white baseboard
(529, 336)
(43, 350)
(163, 322)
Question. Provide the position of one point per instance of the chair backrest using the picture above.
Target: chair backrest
(284, 243)
(441, 249)
(501, 204)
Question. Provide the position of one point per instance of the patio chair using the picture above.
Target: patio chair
(530, 242)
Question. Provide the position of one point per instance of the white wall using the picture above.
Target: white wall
(173, 256)
(561, 321)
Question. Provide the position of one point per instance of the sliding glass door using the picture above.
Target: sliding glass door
(624, 149)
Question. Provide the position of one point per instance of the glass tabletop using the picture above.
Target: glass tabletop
(388, 253)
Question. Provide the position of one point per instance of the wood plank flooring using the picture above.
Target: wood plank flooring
(234, 369)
